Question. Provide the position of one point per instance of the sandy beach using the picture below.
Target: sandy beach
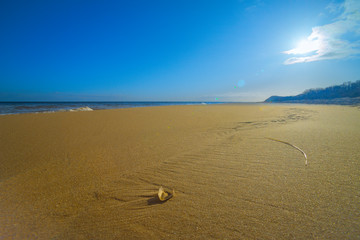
(95, 175)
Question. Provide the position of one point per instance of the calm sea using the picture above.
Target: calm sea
(40, 107)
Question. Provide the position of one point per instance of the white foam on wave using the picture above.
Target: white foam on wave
(81, 109)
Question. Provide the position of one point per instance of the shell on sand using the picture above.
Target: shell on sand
(164, 195)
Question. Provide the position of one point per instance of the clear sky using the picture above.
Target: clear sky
(189, 50)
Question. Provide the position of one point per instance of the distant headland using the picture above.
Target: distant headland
(347, 93)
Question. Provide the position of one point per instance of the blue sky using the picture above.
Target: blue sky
(175, 50)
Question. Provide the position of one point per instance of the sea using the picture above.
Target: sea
(48, 107)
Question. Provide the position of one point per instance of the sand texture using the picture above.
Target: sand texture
(96, 175)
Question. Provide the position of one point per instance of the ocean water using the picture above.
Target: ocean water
(46, 107)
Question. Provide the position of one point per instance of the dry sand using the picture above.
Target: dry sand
(95, 175)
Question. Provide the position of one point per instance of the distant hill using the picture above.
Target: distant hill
(347, 93)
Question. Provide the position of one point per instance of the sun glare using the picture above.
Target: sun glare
(306, 46)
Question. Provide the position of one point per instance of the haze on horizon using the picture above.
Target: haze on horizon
(175, 50)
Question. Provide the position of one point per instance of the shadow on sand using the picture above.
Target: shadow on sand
(155, 200)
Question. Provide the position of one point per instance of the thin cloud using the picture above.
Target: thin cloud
(257, 4)
(245, 96)
(328, 41)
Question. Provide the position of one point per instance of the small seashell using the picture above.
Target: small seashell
(164, 195)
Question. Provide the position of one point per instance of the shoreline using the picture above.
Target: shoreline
(83, 106)
(8, 108)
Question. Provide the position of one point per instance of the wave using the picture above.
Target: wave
(81, 109)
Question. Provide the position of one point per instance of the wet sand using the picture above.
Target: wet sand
(95, 175)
